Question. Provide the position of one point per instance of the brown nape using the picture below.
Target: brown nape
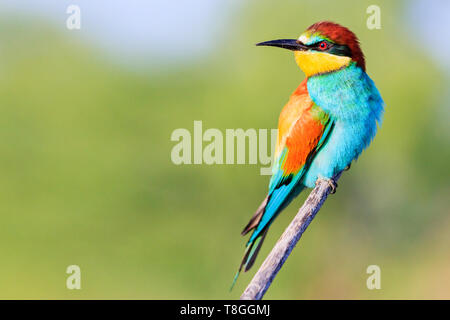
(343, 36)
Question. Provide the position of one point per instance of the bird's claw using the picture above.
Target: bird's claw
(333, 184)
(348, 167)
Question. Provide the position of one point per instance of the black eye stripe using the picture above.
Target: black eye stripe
(317, 44)
(333, 48)
(341, 50)
(328, 45)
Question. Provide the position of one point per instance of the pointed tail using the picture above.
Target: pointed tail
(272, 205)
(253, 247)
(251, 252)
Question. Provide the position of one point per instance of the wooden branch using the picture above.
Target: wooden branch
(275, 260)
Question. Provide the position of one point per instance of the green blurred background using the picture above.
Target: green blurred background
(87, 178)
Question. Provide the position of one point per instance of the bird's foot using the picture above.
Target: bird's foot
(333, 185)
(348, 167)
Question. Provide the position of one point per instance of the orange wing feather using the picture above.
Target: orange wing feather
(298, 130)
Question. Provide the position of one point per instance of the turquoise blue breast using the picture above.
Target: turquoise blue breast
(350, 97)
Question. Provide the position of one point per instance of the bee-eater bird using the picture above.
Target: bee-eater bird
(328, 121)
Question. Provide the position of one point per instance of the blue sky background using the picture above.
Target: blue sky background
(428, 24)
(183, 30)
(136, 29)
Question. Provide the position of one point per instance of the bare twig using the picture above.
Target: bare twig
(275, 260)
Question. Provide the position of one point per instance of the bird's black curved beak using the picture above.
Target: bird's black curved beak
(290, 44)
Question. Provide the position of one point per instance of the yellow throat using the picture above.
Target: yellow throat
(312, 62)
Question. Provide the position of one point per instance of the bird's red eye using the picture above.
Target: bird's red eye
(323, 45)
